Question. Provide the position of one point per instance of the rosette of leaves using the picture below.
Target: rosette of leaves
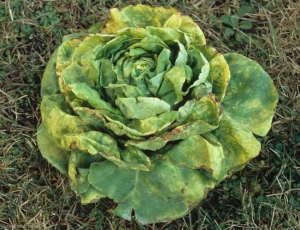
(147, 114)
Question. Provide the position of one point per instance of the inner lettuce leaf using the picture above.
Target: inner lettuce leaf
(143, 111)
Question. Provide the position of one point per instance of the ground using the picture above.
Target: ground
(265, 195)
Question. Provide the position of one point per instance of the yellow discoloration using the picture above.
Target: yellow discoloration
(137, 16)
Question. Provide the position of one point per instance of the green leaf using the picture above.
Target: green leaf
(90, 95)
(205, 109)
(139, 16)
(58, 118)
(244, 10)
(234, 19)
(245, 25)
(239, 144)
(168, 35)
(195, 117)
(165, 193)
(51, 151)
(75, 73)
(65, 54)
(182, 55)
(202, 77)
(202, 154)
(251, 96)
(171, 87)
(91, 195)
(72, 36)
(151, 44)
(188, 26)
(163, 61)
(87, 192)
(239, 36)
(217, 22)
(107, 75)
(112, 47)
(226, 20)
(84, 51)
(93, 142)
(229, 32)
(96, 28)
(49, 83)
(135, 159)
(153, 124)
(141, 107)
(219, 74)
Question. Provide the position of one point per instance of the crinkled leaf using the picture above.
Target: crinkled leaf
(168, 35)
(171, 87)
(239, 144)
(195, 152)
(182, 55)
(57, 118)
(90, 95)
(219, 74)
(188, 26)
(141, 107)
(151, 44)
(162, 194)
(93, 142)
(198, 117)
(87, 192)
(65, 54)
(205, 109)
(136, 159)
(154, 124)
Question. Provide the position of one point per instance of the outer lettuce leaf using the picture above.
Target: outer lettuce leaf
(49, 83)
(211, 158)
(248, 107)
(251, 97)
(137, 16)
(239, 144)
(162, 194)
(55, 155)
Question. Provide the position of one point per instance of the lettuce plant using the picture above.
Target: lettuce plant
(147, 114)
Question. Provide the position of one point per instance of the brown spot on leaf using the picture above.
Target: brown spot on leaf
(73, 146)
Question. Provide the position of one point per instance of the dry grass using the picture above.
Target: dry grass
(34, 195)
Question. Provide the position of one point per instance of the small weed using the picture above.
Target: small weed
(234, 25)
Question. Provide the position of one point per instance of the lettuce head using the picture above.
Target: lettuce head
(144, 112)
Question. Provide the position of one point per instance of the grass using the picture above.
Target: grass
(265, 195)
